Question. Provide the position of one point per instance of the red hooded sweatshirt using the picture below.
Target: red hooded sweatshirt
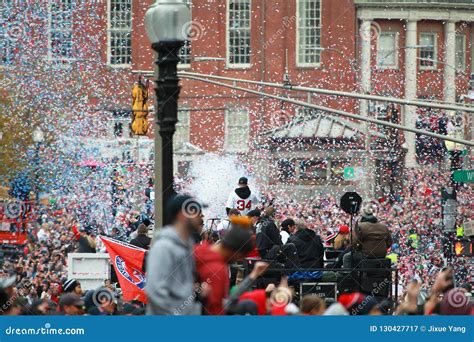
(213, 269)
(259, 297)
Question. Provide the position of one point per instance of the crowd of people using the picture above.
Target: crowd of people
(188, 263)
(414, 218)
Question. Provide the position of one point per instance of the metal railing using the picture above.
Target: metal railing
(376, 282)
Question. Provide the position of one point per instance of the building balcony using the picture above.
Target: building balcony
(452, 10)
(415, 3)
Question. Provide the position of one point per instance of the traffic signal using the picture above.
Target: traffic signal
(140, 108)
(463, 248)
(449, 209)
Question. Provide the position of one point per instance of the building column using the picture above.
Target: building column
(365, 85)
(365, 67)
(450, 63)
(410, 90)
(471, 60)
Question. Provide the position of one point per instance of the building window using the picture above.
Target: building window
(184, 168)
(121, 124)
(337, 170)
(460, 52)
(185, 52)
(238, 32)
(237, 130)
(119, 32)
(312, 170)
(428, 51)
(387, 50)
(182, 135)
(118, 129)
(308, 32)
(286, 169)
(60, 30)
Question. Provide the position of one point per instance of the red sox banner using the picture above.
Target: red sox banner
(127, 260)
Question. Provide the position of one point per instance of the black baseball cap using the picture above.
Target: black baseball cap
(70, 299)
(243, 181)
(254, 213)
(181, 203)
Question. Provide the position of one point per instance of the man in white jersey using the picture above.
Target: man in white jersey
(242, 198)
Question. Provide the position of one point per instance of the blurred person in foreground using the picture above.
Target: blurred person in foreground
(170, 264)
(8, 305)
(224, 225)
(273, 300)
(71, 304)
(443, 298)
(105, 303)
(358, 304)
(312, 305)
(212, 263)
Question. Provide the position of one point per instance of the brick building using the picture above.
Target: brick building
(351, 45)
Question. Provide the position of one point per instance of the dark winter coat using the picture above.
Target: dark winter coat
(268, 235)
(309, 248)
(373, 238)
(141, 241)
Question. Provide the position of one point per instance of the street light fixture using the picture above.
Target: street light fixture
(38, 135)
(167, 26)
(38, 138)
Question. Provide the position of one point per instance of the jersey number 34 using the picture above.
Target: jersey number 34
(241, 205)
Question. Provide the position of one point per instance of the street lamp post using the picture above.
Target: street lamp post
(449, 195)
(38, 138)
(165, 23)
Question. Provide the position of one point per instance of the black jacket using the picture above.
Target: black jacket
(309, 248)
(268, 235)
(141, 241)
(84, 246)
